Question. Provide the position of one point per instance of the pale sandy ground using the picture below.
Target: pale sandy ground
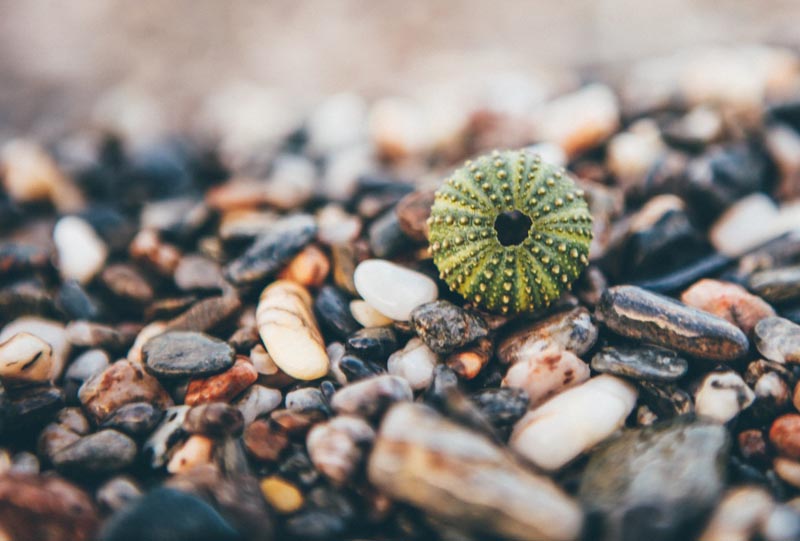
(57, 57)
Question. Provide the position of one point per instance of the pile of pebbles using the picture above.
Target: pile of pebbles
(243, 337)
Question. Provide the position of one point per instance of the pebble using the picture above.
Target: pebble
(180, 354)
(118, 493)
(573, 422)
(96, 335)
(746, 224)
(153, 517)
(306, 399)
(570, 330)
(99, 453)
(783, 144)
(722, 396)
(272, 249)
(784, 435)
(157, 446)
(336, 226)
(366, 315)
(196, 272)
(371, 396)
(444, 327)
(503, 406)
(373, 343)
(654, 482)
(631, 154)
(45, 507)
(337, 122)
(778, 340)
(194, 452)
(468, 361)
(309, 268)
(289, 330)
(640, 362)
(30, 407)
(385, 236)
(331, 307)
(257, 401)
(148, 331)
(121, 383)
(740, 515)
(30, 174)
(666, 400)
(81, 252)
(413, 211)
(728, 301)
(546, 373)
(777, 285)
(409, 290)
(414, 363)
(264, 440)
(160, 256)
(788, 470)
(135, 419)
(636, 313)
(336, 447)
(752, 445)
(222, 387)
(283, 496)
(127, 284)
(463, 479)
(207, 314)
(52, 332)
(26, 359)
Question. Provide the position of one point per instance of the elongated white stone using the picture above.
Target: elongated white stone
(392, 290)
(81, 252)
(574, 421)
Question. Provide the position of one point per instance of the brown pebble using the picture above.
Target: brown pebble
(570, 330)
(215, 420)
(344, 266)
(784, 435)
(752, 444)
(148, 248)
(308, 268)
(469, 361)
(264, 440)
(295, 423)
(127, 283)
(222, 387)
(729, 301)
(413, 211)
(206, 314)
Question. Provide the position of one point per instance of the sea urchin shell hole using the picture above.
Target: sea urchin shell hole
(510, 232)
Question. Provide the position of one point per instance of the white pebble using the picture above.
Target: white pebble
(722, 396)
(392, 290)
(632, 153)
(746, 224)
(292, 182)
(366, 315)
(574, 421)
(546, 373)
(414, 363)
(86, 365)
(26, 358)
(81, 252)
(52, 332)
(336, 226)
(256, 401)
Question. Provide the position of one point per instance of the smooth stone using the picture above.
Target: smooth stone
(788, 470)
(778, 339)
(503, 406)
(126, 283)
(177, 216)
(264, 440)
(729, 301)
(777, 285)
(336, 226)
(665, 400)
(30, 174)
(371, 396)
(464, 479)
(747, 223)
(180, 354)
(470, 360)
(336, 447)
(309, 268)
(332, 309)
(373, 343)
(413, 211)
(207, 314)
(118, 493)
(99, 453)
(386, 236)
(258, 401)
(546, 373)
(306, 399)
(166, 434)
(25, 358)
(55, 437)
(272, 249)
(195, 451)
(345, 258)
(443, 326)
(81, 252)
(152, 517)
(135, 419)
(86, 365)
(366, 315)
(289, 330)
(784, 435)
(409, 289)
(571, 330)
(96, 335)
(52, 332)
(722, 396)
(653, 482)
(77, 303)
(355, 369)
(573, 422)
(636, 313)
(30, 407)
(222, 387)
(148, 331)
(739, 515)
(282, 495)
(640, 362)
(414, 363)
(197, 272)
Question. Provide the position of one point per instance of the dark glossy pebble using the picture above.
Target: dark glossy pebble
(640, 362)
(76, 302)
(26, 298)
(166, 514)
(386, 237)
(103, 452)
(666, 401)
(636, 313)
(297, 467)
(444, 327)
(215, 420)
(135, 419)
(778, 339)
(502, 407)
(265, 440)
(28, 408)
(777, 285)
(355, 369)
(272, 249)
(116, 230)
(373, 343)
(207, 314)
(332, 308)
(180, 354)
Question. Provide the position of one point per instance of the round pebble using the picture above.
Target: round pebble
(408, 290)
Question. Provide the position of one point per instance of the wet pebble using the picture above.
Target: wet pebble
(309, 268)
(157, 446)
(371, 396)
(222, 387)
(728, 301)
(778, 339)
(135, 419)
(571, 330)
(640, 362)
(414, 363)
(722, 396)
(180, 354)
(258, 400)
(336, 447)
(373, 343)
(777, 285)
(332, 308)
(99, 453)
(546, 373)
(784, 435)
(52, 332)
(366, 315)
(468, 361)
(443, 326)
(409, 288)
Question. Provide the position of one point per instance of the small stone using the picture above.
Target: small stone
(386, 238)
(194, 452)
(777, 285)
(446, 470)
(179, 354)
(370, 397)
(222, 387)
(153, 517)
(355, 369)
(117, 493)
(413, 211)
(784, 435)
(571, 330)
(179, 217)
(771, 383)
(81, 252)
(632, 153)
(336, 446)
(546, 374)
(373, 343)
(135, 419)
(333, 313)
(778, 339)
(121, 383)
(573, 422)
(666, 400)
(640, 362)
(272, 249)
(443, 326)
(77, 303)
(282, 495)
(752, 445)
(409, 290)
(148, 248)
(309, 268)
(345, 258)
(306, 399)
(49, 331)
(749, 222)
(722, 395)
(468, 361)
(414, 363)
(257, 401)
(788, 470)
(170, 431)
(245, 223)
(96, 335)
(783, 144)
(25, 359)
(502, 406)
(289, 330)
(30, 407)
(207, 314)
(367, 316)
(99, 453)
(728, 301)
(636, 313)
(696, 129)
(336, 226)
(264, 440)
(55, 437)
(30, 174)
(127, 283)
(337, 122)
(196, 272)
(215, 420)
(148, 331)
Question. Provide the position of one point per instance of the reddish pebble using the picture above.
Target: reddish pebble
(265, 440)
(752, 444)
(784, 435)
(729, 301)
(308, 268)
(222, 387)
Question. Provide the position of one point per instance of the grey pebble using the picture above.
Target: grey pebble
(99, 453)
(134, 419)
(640, 362)
(179, 354)
(373, 343)
(444, 327)
(777, 285)
(778, 339)
(371, 396)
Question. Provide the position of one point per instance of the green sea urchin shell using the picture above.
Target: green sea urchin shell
(510, 232)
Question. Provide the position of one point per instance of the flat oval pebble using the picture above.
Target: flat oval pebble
(721, 396)
(778, 340)
(392, 290)
(52, 332)
(636, 313)
(729, 301)
(102, 452)
(177, 354)
(25, 358)
(289, 330)
(640, 362)
(546, 373)
(570, 330)
(784, 435)
(777, 285)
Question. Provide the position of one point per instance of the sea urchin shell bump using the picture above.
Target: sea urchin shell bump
(510, 232)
